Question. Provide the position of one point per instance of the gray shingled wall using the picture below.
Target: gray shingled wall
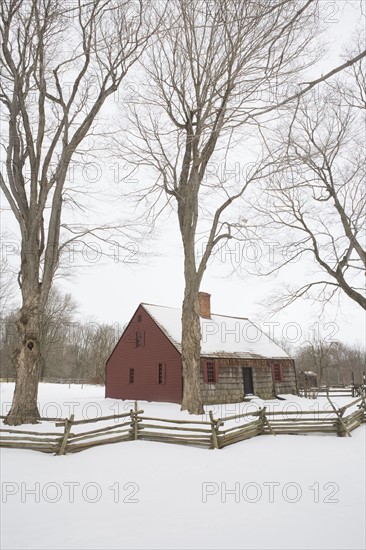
(230, 387)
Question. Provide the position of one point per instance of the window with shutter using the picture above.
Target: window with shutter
(140, 338)
(161, 373)
(277, 372)
(210, 373)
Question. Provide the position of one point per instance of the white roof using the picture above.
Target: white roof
(222, 336)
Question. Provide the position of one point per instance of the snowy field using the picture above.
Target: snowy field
(298, 492)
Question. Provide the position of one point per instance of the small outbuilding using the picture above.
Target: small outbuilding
(308, 379)
(237, 358)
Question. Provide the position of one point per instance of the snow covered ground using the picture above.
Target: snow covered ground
(300, 492)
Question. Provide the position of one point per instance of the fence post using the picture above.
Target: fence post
(136, 421)
(134, 425)
(264, 420)
(363, 402)
(342, 429)
(68, 426)
(214, 440)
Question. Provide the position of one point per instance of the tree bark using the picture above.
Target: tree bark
(47, 118)
(27, 362)
(191, 353)
(191, 329)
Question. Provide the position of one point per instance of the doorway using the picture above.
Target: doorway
(248, 380)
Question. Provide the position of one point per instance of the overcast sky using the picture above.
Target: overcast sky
(110, 289)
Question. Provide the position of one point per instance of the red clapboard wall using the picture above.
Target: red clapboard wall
(144, 365)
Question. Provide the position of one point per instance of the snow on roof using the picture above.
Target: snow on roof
(222, 336)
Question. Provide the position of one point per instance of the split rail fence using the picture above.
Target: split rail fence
(340, 390)
(211, 434)
(334, 391)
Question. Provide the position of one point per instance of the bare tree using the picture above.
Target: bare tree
(70, 349)
(8, 343)
(93, 343)
(316, 197)
(56, 326)
(334, 362)
(317, 355)
(351, 362)
(214, 67)
(7, 287)
(58, 66)
(55, 335)
(105, 339)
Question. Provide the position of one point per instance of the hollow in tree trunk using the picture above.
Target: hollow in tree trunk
(27, 362)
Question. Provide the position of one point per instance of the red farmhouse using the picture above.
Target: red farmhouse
(237, 358)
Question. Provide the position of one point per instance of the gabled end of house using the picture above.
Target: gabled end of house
(237, 358)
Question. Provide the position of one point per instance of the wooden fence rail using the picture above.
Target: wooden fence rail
(212, 434)
(351, 390)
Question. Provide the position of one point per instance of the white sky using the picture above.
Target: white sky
(110, 291)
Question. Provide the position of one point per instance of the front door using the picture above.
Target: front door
(248, 380)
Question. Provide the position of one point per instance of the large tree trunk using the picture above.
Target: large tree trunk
(191, 333)
(191, 354)
(27, 362)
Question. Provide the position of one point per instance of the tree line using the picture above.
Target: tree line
(78, 351)
(334, 363)
(71, 350)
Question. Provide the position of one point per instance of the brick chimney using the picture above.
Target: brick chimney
(204, 301)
